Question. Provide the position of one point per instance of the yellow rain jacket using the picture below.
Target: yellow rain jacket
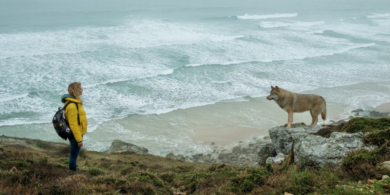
(71, 117)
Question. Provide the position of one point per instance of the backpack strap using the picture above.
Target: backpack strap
(77, 106)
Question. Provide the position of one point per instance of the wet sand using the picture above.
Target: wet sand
(383, 107)
(224, 135)
(263, 115)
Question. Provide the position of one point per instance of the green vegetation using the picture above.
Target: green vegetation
(362, 164)
(31, 171)
(95, 172)
(366, 125)
(301, 182)
(377, 137)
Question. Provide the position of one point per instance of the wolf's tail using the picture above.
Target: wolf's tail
(323, 113)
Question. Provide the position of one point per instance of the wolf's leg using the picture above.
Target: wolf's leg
(312, 118)
(316, 119)
(290, 119)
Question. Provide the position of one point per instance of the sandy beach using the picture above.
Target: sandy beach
(384, 107)
(224, 135)
(263, 114)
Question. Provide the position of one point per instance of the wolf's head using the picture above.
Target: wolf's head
(274, 94)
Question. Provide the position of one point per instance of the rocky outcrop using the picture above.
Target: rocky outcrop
(118, 146)
(282, 138)
(253, 153)
(278, 159)
(314, 146)
(313, 150)
(35, 143)
(385, 165)
(265, 151)
(300, 141)
(316, 151)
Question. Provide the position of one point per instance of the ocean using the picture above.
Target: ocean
(153, 71)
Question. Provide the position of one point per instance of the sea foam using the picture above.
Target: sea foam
(267, 16)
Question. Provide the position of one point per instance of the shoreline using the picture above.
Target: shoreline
(383, 107)
(221, 139)
(224, 135)
(219, 128)
(227, 136)
(246, 152)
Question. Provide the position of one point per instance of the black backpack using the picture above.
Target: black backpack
(60, 123)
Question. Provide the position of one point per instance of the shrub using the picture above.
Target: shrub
(43, 161)
(257, 175)
(254, 177)
(18, 164)
(343, 191)
(183, 169)
(126, 171)
(149, 178)
(378, 137)
(372, 157)
(327, 131)
(366, 125)
(383, 186)
(43, 144)
(65, 150)
(134, 163)
(246, 186)
(138, 188)
(95, 172)
(301, 182)
(361, 164)
(168, 177)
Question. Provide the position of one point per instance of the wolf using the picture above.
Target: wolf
(295, 102)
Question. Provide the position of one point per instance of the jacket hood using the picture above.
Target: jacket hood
(67, 97)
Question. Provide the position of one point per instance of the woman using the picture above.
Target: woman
(77, 119)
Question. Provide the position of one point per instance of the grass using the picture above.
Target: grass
(366, 125)
(377, 137)
(362, 164)
(28, 171)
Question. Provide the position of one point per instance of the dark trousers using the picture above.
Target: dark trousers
(74, 153)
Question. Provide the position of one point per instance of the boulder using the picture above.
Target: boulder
(313, 150)
(246, 154)
(282, 137)
(198, 158)
(279, 159)
(118, 146)
(316, 151)
(180, 157)
(385, 177)
(264, 152)
(226, 158)
(171, 156)
(376, 114)
(385, 165)
(338, 123)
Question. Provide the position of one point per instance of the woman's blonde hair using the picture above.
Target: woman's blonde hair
(74, 89)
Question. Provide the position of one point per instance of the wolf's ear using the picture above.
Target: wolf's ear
(272, 87)
(277, 89)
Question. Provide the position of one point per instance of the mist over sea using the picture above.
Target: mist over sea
(153, 70)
